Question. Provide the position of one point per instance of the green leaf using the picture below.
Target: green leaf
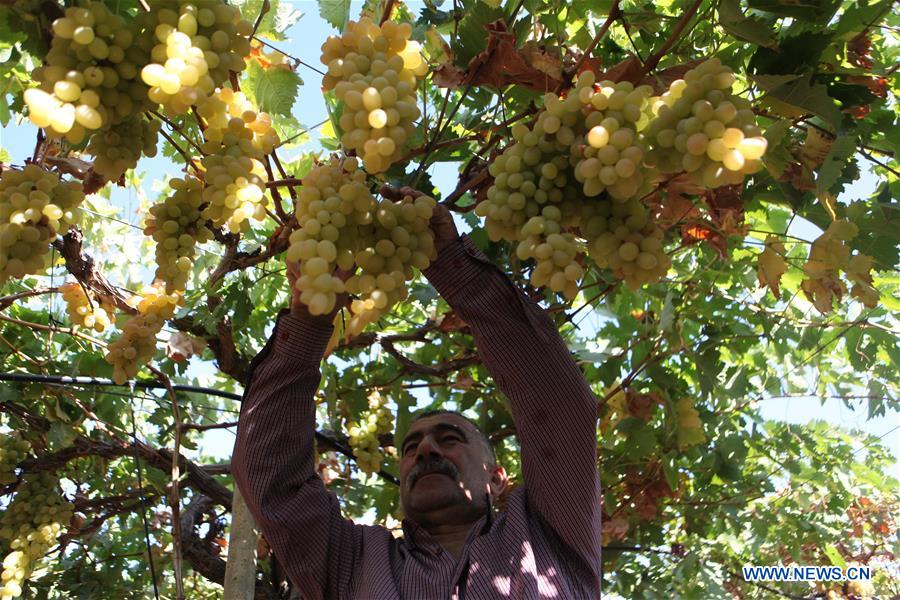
(833, 165)
(816, 11)
(472, 33)
(751, 29)
(801, 92)
(336, 12)
(272, 90)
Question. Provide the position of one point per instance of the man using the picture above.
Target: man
(545, 544)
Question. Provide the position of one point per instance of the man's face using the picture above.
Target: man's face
(444, 467)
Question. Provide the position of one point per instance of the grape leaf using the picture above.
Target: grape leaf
(771, 265)
(751, 29)
(272, 90)
(801, 92)
(842, 149)
(336, 12)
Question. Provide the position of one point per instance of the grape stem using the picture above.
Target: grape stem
(614, 13)
(654, 58)
(388, 9)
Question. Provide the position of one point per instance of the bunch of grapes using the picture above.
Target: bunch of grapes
(137, 344)
(177, 225)
(197, 43)
(34, 206)
(373, 423)
(13, 450)
(342, 225)
(235, 189)
(90, 78)
(611, 156)
(118, 147)
(81, 308)
(333, 203)
(702, 128)
(398, 240)
(29, 526)
(624, 239)
(374, 69)
(230, 119)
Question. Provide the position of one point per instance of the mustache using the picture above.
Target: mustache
(428, 467)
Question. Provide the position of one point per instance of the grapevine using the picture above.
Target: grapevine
(81, 308)
(364, 436)
(177, 225)
(374, 70)
(137, 344)
(34, 206)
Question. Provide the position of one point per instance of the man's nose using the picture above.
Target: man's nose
(428, 448)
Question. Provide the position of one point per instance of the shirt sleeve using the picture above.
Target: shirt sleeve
(274, 463)
(554, 409)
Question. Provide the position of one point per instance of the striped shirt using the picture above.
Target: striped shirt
(544, 544)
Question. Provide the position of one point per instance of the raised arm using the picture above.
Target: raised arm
(274, 462)
(554, 410)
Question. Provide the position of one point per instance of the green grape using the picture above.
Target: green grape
(13, 450)
(118, 147)
(364, 435)
(235, 189)
(701, 127)
(30, 526)
(137, 343)
(375, 69)
(81, 308)
(34, 207)
(177, 225)
(196, 44)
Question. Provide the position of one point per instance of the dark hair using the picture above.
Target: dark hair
(484, 439)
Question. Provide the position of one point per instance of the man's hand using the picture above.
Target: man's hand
(444, 228)
(299, 309)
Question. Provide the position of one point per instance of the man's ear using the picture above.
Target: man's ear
(498, 482)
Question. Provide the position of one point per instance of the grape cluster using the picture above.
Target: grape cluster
(373, 423)
(398, 240)
(137, 344)
(117, 148)
(341, 224)
(624, 239)
(29, 526)
(235, 189)
(702, 128)
(611, 157)
(81, 308)
(90, 78)
(373, 70)
(197, 43)
(34, 206)
(13, 450)
(177, 225)
(231, 120)
(333, 203)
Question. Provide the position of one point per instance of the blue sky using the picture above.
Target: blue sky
(305, 40)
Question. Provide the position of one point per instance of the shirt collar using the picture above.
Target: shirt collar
(418, 538)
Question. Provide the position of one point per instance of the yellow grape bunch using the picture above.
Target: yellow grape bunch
(34, 206)
(137, 343)
(196, 44)
(82, 309)
(30, 526)
(177, 225)
(231, 120)
(117, 148)
(341, 224)
(235, 189)
(374, 70)
(364, 434)
(90, 78)
(13, 450)
(701, 127)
